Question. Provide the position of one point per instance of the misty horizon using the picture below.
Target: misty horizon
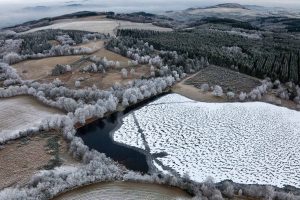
(16, 12)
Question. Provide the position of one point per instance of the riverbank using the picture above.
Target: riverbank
(121, 108)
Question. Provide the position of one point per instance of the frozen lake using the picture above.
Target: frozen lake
(245, 142)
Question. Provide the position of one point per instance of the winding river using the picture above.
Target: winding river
(98, 135)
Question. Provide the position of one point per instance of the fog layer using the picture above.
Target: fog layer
(17, 11)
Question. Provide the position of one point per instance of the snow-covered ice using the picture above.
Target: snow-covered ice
(129, 134)
(245, 142)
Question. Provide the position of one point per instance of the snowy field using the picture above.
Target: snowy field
(245, 142)
(101, 26)
(21, 113)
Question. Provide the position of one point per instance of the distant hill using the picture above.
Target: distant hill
(37, 8)
(254, 7)
(233, 11)
(48, 20)
(228, 5)
(74, 5)
(224, 5)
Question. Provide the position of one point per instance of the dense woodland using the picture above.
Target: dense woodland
(261, 54)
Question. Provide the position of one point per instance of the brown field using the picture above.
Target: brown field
(112, 56)
(21, 158)
(20, 113)
(102, 81)
(124, 190)
(53, 42)
(41, 68)
(95, 45)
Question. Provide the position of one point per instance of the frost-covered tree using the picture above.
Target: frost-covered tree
(93, 68)
(228, 189)
(93, 36)
(68, 104)
(13, 91)
(77, 84)
(255, 94)
(230, 95)
(282, 93)
(152, 69)
(12, 58)
(218, 91)
(156, 61)
(60, 69)
(204, 87)
(10, 45)
(9, 75)
(132, 95)
(118, 65)
(243, 96)
(124, 73)
(240, 192)
(65, 39)
(176, 75)
(132, 73)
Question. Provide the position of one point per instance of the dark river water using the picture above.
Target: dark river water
(97, 136)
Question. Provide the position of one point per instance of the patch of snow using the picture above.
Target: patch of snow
(245, 142)
(101, 26)
(67, 169)
(129, 134)
(244, 34)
